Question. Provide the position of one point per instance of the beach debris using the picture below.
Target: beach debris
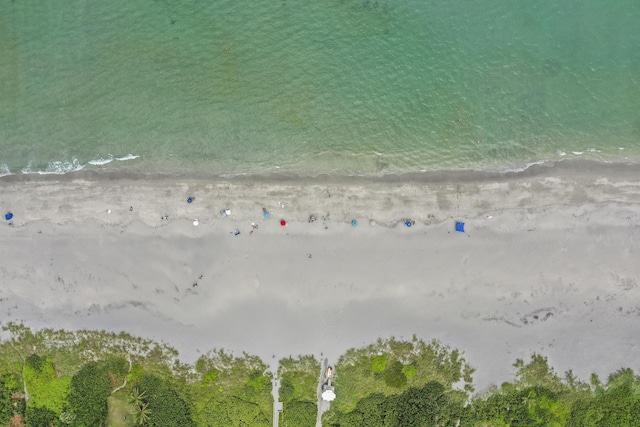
(8, 216)
(225, 212)
(460, 226)
(283, 223)
(196, 222)
(373, 223)
(309, 256)
(265, 213)
(282, 204)
(354, 222)
(312, 218)
(195, 282)
(236, 232)
(130, 208)
(190, 199)
(108, 211)
(325, 219)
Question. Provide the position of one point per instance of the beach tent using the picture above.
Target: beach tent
(460, 226)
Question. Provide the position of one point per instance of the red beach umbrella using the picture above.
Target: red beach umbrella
(283, 223)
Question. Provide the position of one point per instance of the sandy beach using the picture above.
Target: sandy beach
(548, 262)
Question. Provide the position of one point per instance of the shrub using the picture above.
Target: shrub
(286, 390)
(210, 377)
(233, 411)
(135, 373)
(90, 388)
(409, 371)
(299, 414)
(379, 363)
(6, 409)
(418, 406)
(299, 379)
(201, 365)
(393, 376)
(35, 362)
(166, 407)
(38, 416)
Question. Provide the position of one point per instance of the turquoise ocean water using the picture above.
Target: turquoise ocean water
(337, 86)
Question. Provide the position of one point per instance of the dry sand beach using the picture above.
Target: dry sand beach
(548, 262)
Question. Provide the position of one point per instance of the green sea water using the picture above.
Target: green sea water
(330, 86)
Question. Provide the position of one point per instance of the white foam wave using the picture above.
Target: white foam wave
(232, 175)
(523, 167)
(577, 153)
(56, 168)
(127, 157)
(100, 162)
(4, 170)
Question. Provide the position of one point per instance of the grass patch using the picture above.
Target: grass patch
(119, 412)
(51, 395)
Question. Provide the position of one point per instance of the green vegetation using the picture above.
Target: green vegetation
(231, 391)
(45, 389)
(8, 387)
(298, 390)
(160, 404)
(88, 395)
(390, 366)
(37, 416)
(536, 397)
(94, 378)
(123, 381)
(120, 412)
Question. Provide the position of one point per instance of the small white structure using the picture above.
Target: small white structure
(328, 394)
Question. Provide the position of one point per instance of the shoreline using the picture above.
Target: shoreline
(564, 167)
(547, 263)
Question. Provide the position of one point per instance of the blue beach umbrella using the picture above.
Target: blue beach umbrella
(190, 200)
(8, 216)
(460, 226)
(354, 222)
(266, 214)
(408, 223)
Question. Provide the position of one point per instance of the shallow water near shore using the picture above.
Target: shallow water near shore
(343, 87)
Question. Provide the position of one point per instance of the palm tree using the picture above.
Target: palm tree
(141, 412)
(141, 416)
(136, 398)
